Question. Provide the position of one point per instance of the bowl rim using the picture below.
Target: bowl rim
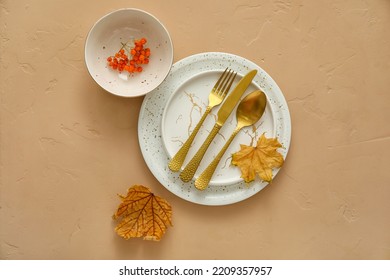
(110, 14)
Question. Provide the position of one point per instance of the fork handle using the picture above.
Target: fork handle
(203, 180)
(188, 173)
(177, 161)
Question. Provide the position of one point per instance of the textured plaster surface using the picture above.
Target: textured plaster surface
(67, 147)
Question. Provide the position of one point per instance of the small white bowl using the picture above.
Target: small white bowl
(104, 40)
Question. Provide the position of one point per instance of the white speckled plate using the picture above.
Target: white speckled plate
(170, 112)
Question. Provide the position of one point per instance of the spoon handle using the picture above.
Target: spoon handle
(188, 172)
(203, 180)
(177, 161)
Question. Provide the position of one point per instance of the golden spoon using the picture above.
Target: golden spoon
(249, 111)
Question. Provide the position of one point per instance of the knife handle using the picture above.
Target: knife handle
(177, 161)
(203, 180)
(188, 173)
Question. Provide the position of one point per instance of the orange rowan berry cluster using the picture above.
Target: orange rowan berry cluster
(130, 59)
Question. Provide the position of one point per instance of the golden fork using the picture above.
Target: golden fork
(216, 96)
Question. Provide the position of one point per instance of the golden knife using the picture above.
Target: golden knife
(227, 107)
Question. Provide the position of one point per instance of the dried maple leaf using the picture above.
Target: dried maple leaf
(259, 159)
(143, 214)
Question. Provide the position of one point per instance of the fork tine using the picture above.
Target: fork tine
(227, 83)
(224, 80)
(219, 80)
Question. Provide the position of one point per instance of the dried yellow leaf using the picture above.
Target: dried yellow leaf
(143, 214)
(259, 160)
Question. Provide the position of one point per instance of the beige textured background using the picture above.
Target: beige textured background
(68, 147)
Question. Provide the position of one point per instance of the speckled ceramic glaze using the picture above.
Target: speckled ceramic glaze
(170, 112)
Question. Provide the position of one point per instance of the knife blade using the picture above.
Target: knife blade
(224, 112)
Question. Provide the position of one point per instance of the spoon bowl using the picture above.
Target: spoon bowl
(251, 108)
(249, 111)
